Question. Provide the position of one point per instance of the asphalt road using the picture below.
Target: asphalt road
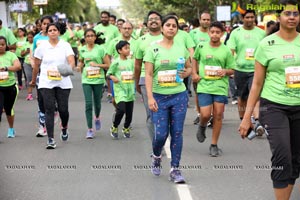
(103, 168)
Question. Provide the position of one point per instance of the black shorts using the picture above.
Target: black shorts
(243, 82)
(283, 125)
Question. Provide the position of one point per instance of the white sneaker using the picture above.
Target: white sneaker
(41, 132)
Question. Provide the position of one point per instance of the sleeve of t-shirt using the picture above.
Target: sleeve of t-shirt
(260, 55)
(230, 62)
(69, 50)
(11, 37)
(139, 53)
(197, 53)
(149, 57)
(38, 53)
(111, 47)
(112, 68)
(189, 41)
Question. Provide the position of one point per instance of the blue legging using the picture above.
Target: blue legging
(169, 118)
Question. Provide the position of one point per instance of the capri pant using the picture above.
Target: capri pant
(283, 124)
(8, 98)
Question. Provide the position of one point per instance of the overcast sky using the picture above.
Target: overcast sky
(108, 3)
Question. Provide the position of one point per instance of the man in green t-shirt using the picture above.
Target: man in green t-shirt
(243, 41)
(154, 20)
(200, 35)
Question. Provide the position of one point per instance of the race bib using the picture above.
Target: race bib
(53, 74)
(211, 72)
(93, 72)
(4, 76)
(167, 78)
(292, 77)
(249, 54)
(20, 44)
(127, 77)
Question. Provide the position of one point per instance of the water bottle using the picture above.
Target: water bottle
(180, 66)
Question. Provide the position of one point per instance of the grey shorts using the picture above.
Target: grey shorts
(28, 72)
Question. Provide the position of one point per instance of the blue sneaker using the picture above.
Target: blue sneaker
(51, 144)
(97, 124)
(155, 165)
(90, 134)
(175, 176)
(64, 134)
(11, 133)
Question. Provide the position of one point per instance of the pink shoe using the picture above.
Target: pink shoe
(29, 97)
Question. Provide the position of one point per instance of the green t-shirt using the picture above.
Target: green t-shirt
(20, 44)
(211, 59)
(110, 32)
(199, 36)
(282, 62)
(185, 38)
(165, 66)
(244, 42)
(66, 37)
(123, 69)
(7, 78)
(92, 75)
(142, 44)
(27, 56)
(112, 51)
(9, 35)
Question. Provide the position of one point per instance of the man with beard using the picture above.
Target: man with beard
(200, 35)
(154, 20)
(126, 31)
(109, 31)
(243, 41)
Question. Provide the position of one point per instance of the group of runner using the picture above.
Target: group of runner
(155, 65)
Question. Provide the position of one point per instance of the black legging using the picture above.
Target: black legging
(50, 98)
(123, 108)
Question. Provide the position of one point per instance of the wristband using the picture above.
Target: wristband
(6, 69)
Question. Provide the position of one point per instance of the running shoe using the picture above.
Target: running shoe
(197, 120)
(51, 144)
(97, 124)
(64, 134)
(29, 97)
(176, 176)
(90, 134)
(201, 134)
(210, 122)
(214, 151)
(126, 132)
(114, 132)
(41, 132)
(11, 133)
(155, 165)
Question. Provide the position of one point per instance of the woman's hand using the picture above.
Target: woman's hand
(152, 105)
(244, 127)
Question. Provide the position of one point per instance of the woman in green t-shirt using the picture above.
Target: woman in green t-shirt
(167, 97)
(9, 64)
(276, 84)
(93, 59)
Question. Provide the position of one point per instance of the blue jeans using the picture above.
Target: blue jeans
(169, 118)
